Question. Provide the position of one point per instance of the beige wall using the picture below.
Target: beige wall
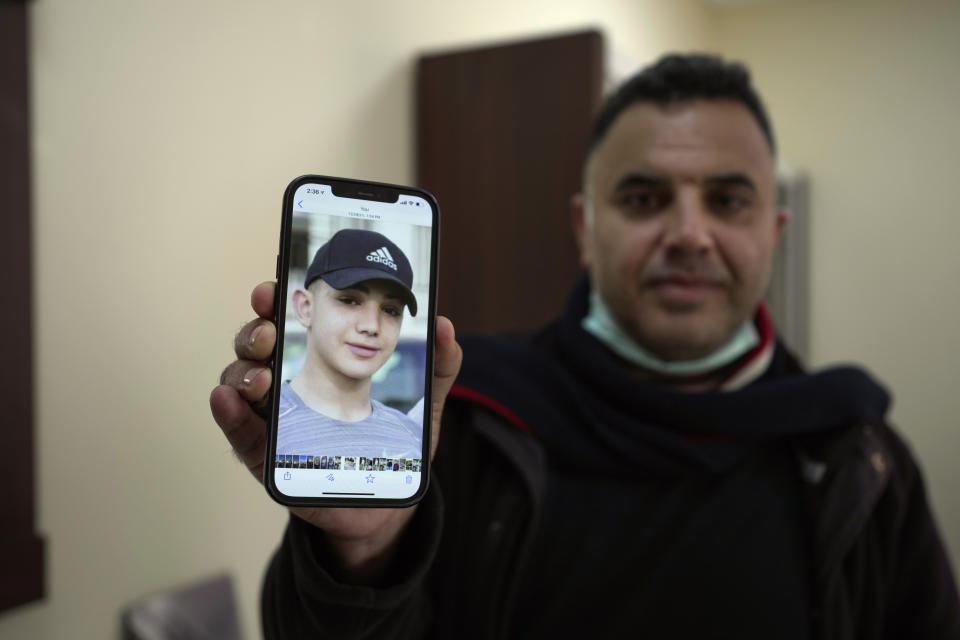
(865, 97)
(164, 134)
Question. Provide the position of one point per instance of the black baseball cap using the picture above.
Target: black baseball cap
(354, 255)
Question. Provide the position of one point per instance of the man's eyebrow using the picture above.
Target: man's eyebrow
(640, 180)
(733, 179)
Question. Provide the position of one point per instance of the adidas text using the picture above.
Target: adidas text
(382, 256)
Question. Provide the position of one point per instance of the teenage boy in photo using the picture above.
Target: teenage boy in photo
(351, 304)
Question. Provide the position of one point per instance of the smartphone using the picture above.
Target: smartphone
(355, 312)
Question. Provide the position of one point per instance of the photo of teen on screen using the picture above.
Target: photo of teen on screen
(352, 306)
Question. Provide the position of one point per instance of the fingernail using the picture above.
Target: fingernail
(253, 336)
(251, 376)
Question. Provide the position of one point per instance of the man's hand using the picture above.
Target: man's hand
(362, 539)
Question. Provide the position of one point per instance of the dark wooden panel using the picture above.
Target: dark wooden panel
(21, 552)
(501, 133)
(22, 576)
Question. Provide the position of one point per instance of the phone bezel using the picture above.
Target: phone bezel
(365, 190)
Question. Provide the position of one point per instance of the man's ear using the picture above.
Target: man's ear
(579, 221)
(303, 306)
(783, 216)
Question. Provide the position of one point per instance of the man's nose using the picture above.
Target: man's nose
(368, 319)
(688, 226)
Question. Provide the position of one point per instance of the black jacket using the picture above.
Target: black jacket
(877, 568)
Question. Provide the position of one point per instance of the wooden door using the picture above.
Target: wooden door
(501, 136)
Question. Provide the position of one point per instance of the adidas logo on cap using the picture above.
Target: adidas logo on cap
(382, 255)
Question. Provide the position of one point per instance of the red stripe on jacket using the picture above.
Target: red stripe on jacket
(466, 393)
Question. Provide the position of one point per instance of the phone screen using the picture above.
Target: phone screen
(354, 359)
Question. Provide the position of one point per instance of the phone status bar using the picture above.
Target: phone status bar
(319, 199)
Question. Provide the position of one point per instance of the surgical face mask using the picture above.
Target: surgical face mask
(600, 323)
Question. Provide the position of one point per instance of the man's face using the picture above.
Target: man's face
(351, 332)
(678, 223)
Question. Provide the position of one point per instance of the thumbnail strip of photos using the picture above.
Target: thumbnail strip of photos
(346, 463)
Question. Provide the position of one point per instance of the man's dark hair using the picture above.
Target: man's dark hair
(679, 78)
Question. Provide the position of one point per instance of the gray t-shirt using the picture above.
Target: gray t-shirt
(385, 433)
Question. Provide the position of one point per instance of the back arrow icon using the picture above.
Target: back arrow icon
(300, 204)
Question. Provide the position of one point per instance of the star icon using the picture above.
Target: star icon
(370, 479)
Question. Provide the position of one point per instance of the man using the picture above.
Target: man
(352, 309)
(652, 463)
